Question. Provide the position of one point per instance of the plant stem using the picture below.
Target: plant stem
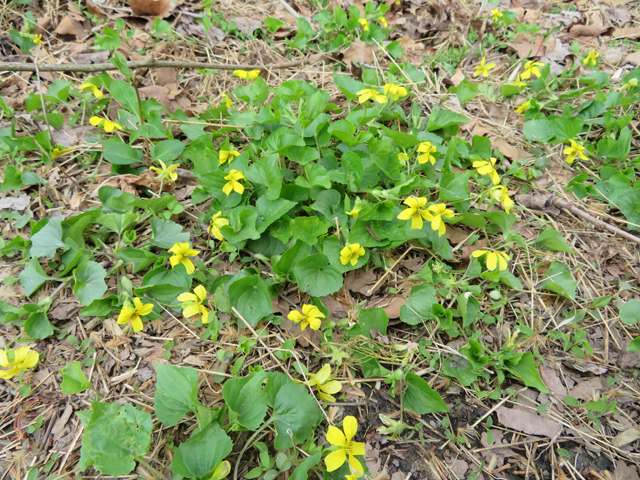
(151, 469)
(247, 444)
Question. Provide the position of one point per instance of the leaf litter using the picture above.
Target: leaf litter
(423, 30)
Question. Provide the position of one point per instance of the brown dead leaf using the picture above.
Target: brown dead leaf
(69, 26)
(15, 203)
(526, 49)
(128, 183)
(166, 76)
(456, 235)
(631, 32)
(360, 281)
(501, 453)
(588, 389)
(527, 422)
(620, 16)
(498, 112)
(156, 8)
(42, 27)
(358, 51)
(469, 249)
(586, 33)
(94, 9)
(392, 309)
(247, 25)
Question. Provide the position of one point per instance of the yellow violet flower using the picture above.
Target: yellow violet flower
(364, 23)
(181, 253)
(326, 388)
(403, 157)
(17, 360)
(531, 68)
(347, 447)
(383, 21)
(227, 100)
(133, 315)
(92, 88)
(633, 82)
(415, 212)
(499, 260)
(351, 253)
(483, 69)
(193, 303)
(166, 173)
(524, 107)
(501, 194)
(426, 148)
(250, 75)
(37, 39)
(234, 184)
(370, 93)
(395, 91)
(58, 153)
(591, 58)
(107, 125)
(216, 223)
(228, 155)
(496, 14)
(356, 210)
(486, 168)
(574, 150)
(436, 212)
(518, 82)
(310, 317)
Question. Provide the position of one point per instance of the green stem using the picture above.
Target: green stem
(151, 469)
(247, 444)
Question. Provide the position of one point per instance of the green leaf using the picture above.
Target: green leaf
(273, 24)
(526, 371)
(119, 153)
(165, 233)
(89, 282)
(176, 392)
(266, 172)
(295, 414)
(250, 297)
(114, 436)
(460, 368)
(168, 150)
(48, 239)
(73, 379)
(565, 129)
(352, 163)
(538, 131)
(244, 397)
(418, 307)
(503, 220)
(420, 398)
(308, 229)
(329, 204)
(372, 318)
(272, 210)
(601, 302)
(554, 241)
(630, 312)
(136, 259)
(443, 118)
(124, 93)
(316, 175)
(405, 140)
(290, 258)
(302, 155)
(202, 452)
(38, 326)
(559, 280)
(634, 346)
(165, 284)
(101, 307)
(348, 85)
(32, 277)
(302, 470)
(316, 276)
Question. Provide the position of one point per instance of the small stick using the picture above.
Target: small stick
(289, 9)
(150, 63)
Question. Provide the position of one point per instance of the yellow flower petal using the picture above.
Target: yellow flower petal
(350, 426)
(335, 460)
(336, 437)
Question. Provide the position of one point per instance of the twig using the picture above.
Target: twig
(289, 8)
(150, 63)
(546, 203)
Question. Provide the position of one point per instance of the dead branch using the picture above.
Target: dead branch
(150, 63)
(550, 204)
